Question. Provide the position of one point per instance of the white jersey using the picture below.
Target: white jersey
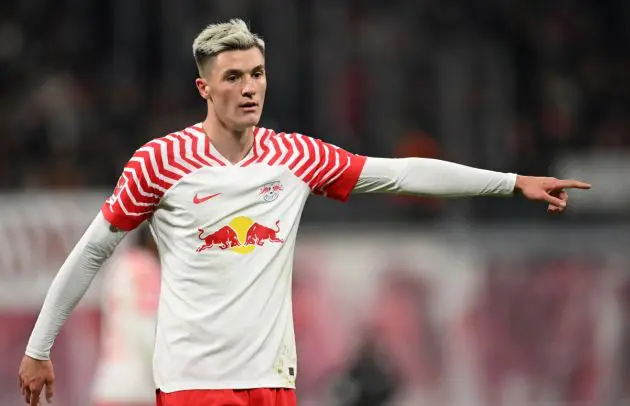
(226, 235)
(129, 306)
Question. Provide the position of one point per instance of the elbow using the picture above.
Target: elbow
(401, 175)
(97, 251)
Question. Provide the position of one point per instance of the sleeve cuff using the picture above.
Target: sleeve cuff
(123, 223)
(38, 355)
(511, 183)
(342, 188)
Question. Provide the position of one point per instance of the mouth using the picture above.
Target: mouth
(248, 106)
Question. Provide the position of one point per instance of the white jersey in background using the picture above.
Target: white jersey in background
(129, 306)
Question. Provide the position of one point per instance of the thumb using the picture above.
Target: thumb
(49, 390)
(554, 200)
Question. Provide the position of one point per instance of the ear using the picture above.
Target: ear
(203, 88)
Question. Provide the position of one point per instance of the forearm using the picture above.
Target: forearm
(71, 283)
(431, 177)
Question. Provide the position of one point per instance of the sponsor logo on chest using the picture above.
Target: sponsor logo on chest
(242, 234)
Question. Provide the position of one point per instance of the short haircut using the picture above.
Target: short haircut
(221, 37)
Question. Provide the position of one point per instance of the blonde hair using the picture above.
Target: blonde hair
(221, 37)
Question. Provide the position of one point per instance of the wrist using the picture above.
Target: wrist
(36, 355)
(519, 183)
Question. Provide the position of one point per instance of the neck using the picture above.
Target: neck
(232, 145)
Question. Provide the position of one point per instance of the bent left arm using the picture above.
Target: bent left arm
(431, 177)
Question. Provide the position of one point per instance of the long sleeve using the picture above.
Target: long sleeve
(71, 283)
(431, 177)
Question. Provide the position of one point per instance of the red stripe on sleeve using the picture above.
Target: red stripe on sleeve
(144, 180)
(299, 151)
(311, 149)
(171, 154)
(289, 147)
(327, 169)
(277, 151)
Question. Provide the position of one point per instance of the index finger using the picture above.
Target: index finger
(572, 184)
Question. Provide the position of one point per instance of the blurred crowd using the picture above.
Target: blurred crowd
(532, 335)
(504, 84)
(520, 329)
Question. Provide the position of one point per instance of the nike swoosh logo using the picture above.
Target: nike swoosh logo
(199, 200)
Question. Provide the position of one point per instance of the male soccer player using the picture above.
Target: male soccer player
(124, 376)
(223, 198)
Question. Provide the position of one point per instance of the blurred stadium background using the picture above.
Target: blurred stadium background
(398, 301)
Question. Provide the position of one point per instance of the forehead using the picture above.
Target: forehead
(238, 59)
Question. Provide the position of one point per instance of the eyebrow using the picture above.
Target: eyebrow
(240, 72)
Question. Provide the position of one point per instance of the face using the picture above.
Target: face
(234, 83)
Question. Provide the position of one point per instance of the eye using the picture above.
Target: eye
(259, 74)
(231, 78)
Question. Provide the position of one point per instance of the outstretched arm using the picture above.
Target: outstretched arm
(430, 177)
(67, 289)
(433, 177)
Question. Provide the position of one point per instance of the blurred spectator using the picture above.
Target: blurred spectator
(130, 299)
(399, 360)
(535, 325)
(321, 338)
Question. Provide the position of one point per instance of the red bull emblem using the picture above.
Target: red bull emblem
(224, 238)
(242, 235)
(271, 191)
(258, 234)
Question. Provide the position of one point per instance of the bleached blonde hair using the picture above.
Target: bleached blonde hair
(221, 37)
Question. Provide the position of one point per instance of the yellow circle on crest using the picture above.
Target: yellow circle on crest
(241, 226)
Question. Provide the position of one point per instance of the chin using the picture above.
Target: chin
(246, 123)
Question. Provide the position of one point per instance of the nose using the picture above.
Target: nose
(248, 88)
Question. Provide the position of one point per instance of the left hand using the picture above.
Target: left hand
(550, 190)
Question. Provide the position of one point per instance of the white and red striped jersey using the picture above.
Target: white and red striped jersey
(226, 235)
(129, 307)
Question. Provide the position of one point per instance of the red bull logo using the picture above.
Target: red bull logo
(223, 238)
(271, 191)
(241, 235)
